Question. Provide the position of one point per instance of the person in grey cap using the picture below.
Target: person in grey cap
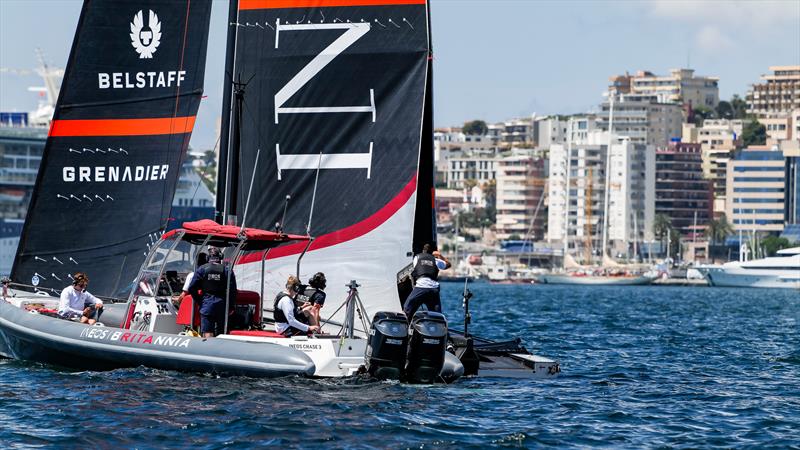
(210, 282)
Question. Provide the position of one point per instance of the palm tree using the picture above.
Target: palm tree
(719, 229)
(662, 225)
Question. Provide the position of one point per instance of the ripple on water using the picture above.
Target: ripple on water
(643, 367)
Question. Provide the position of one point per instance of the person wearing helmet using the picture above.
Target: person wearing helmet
(76, 301)
(211, 282)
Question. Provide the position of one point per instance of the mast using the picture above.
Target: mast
(220, 215)
(424, 218)
(566, 193)
(608, 170)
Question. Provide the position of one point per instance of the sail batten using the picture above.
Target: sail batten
(122, 123)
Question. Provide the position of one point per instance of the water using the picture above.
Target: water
(642, 367)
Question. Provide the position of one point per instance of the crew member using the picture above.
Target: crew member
(426, 289)
(202, 259)
(314, 297)
(211, 282)
(76, 301)
(289, 317)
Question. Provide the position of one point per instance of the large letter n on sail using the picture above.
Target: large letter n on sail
(354, 32)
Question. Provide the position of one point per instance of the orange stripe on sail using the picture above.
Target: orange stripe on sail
(122, 127)
(284, 4)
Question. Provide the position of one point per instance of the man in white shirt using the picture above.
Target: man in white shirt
(289, 317)
(77, 302)
(426, 287)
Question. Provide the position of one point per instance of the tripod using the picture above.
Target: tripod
(353, 305)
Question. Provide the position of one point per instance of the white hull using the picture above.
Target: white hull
(595, 280)
(722, 276)
(781, 271)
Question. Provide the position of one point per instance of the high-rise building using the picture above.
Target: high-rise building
(757, 189)
(682, 193)
(777, 95)
(520, 192)
(643, 119)
(681, 86)
(631, 199)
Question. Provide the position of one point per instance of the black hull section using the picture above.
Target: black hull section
(38, 338)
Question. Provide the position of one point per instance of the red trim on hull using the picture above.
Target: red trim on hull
(345, 234)
(122, 127)
(286, 4)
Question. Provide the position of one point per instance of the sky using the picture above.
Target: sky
(493, 59)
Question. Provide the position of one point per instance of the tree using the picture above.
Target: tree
(662, 225)
(754, 133)
(724, 110)
(702, 113)
(738, 107)
(475, 127)
(675, 244)
(718, 230)
(490, 193)
(772, 244)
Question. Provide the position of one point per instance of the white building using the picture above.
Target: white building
(631, 194)
(643, 119)
(462, 168)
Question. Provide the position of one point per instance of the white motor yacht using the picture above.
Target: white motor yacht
(780, 271)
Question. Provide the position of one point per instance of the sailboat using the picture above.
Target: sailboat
(326, 143)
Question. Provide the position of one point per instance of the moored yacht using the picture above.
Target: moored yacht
(780, 271)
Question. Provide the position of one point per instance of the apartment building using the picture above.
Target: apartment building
(757, 189)
(718, 140)
(479, 168)
(520, 193)
(681, 86)
(581, 189)
(682, 192)
(643, 119)
(777, 95)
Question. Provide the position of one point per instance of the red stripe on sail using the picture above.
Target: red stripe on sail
(122, 127)
(345, 234)
(285, 4)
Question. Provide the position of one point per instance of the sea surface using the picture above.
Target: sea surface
(641, 367)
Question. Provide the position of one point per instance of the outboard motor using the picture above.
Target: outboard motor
(388, 341)
(428, 342)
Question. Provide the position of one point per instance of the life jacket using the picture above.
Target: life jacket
(280, 317)
(215, 280)
(313, 295)
(426, 267)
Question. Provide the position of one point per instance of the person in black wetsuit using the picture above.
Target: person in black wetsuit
(211, 281)
(288, 315)
(426, 287)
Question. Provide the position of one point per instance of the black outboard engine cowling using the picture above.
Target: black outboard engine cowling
(388, 341)
(427, 344)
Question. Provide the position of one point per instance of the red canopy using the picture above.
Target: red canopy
(255, 238)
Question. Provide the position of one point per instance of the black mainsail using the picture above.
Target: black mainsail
(335, 99)
(122, 122)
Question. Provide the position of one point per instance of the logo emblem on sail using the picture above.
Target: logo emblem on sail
(145, 38)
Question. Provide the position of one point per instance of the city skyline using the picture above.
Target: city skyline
(493, 60)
